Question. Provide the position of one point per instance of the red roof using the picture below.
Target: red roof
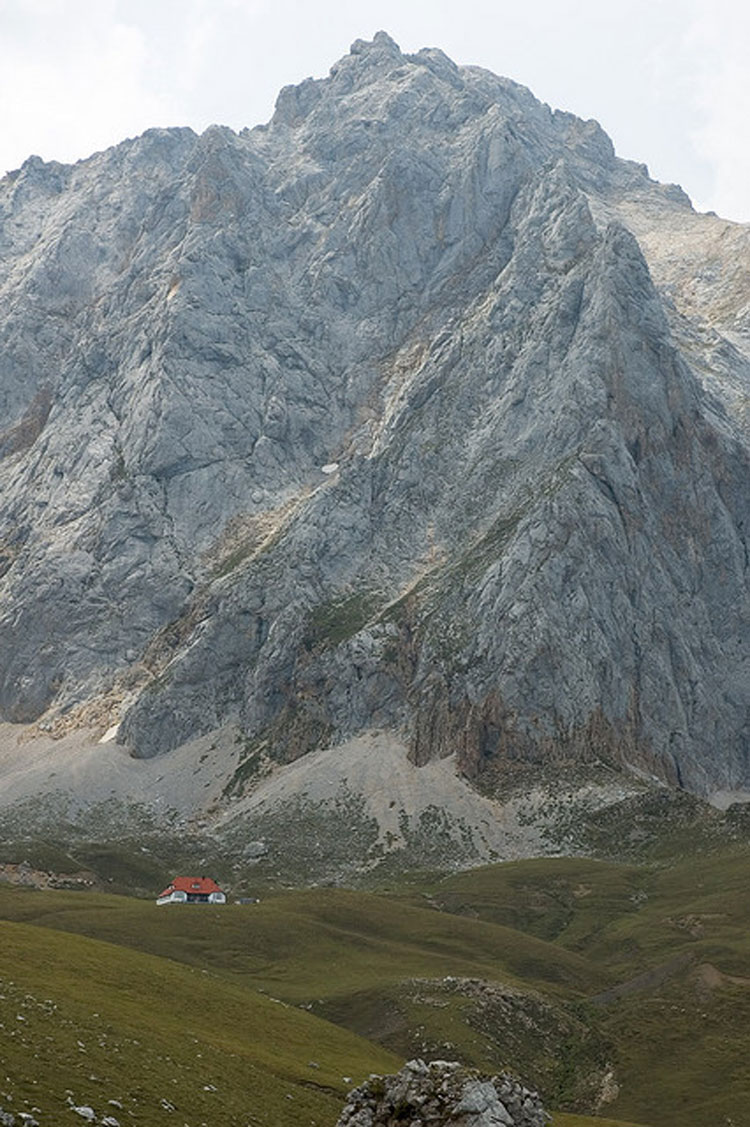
(200, 886)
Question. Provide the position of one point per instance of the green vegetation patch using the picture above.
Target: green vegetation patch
(621, 987)
(337, 621)
(252, 765)
(92, 1022)
(560, 1119)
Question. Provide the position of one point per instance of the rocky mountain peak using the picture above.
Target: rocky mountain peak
(381, 46)
(397, 413)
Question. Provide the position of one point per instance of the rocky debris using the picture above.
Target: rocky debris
(441, 1093)
(533, 546)
(24, 874)
(89, 1115)
(23, 1119)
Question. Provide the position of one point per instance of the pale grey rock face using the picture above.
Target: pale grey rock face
(533, 542)
(441, 1093)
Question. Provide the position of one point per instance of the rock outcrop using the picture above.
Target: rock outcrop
(399, 412)
(442, 1093)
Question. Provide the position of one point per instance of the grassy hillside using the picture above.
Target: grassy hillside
(677, 941)
(589, 979)
(560, 1119)
(415, 980)
(96, 1022)
(291, 940)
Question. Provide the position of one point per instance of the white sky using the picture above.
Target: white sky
(668, 79)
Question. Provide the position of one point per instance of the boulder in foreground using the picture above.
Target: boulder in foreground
(442, 1092)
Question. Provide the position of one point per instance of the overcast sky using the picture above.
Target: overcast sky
(668, 79)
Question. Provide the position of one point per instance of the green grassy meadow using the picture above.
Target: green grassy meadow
(618, 990)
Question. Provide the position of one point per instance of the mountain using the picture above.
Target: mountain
(415, 411)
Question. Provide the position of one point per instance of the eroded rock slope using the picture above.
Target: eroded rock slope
(415, 409)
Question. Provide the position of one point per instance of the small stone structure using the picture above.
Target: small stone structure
(441, 1093)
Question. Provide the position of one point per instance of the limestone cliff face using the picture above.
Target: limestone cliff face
(414, 408)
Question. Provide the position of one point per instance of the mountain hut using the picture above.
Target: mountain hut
(192, 890)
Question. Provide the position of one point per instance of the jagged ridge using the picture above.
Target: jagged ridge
(533, 542)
